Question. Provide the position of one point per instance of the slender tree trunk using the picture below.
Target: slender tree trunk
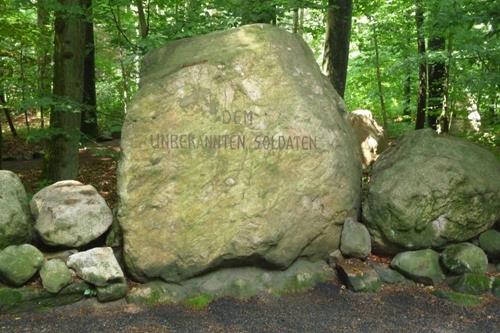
(338, 33)
(446, 115)
(43, 56)
(407, 95)
(23, 89)
(88, 124)
(437, 75)
(143, 25)
(295, 20)
(69, 54)
(125, 85)
(1, 141)
(301, 20)
(422, 66)
(379, 75)
(3, 105)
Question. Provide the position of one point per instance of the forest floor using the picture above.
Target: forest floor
(98, 163)
(326, 308)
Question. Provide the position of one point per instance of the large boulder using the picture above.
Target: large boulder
(18, 263)
(69, 213)
(15, 225)
(370, 135)
(235, 152)
(429, 190)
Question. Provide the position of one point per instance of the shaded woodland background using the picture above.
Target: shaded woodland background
(69, 68)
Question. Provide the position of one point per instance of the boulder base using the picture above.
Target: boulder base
(235, 153)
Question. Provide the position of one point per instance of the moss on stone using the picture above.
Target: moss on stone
(199, 302)
(470, 283)
(458, 298)
(9, 298)
(31, 298)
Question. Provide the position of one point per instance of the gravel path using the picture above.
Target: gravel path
(327, 308)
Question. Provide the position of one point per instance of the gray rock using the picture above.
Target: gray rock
(358, 275)
(18, 263)
(112, 292)
(429, 190)
(335, 257)
(15, 225)
(489, 241)
(270, 171)
(421, 266)
(355, 240)
(464, 258)
(70, 214)
(55, 275)
(238, 282)
(370, 135)
(97, 266)
(388, 275)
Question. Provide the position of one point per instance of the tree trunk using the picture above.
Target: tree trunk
(407, 95)
(446, 115)
(301, 20)
(437, 77)
(69, 54)
(125, 79)
(336, 52)
(422, 66)
(143, 24)
(23, 89)
(295, 20)
(88, 124)
(43, 58)
(3, 105)
(1, 141)
(379, 75)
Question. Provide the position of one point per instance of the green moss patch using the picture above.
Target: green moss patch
(199, 302)
(458, 298)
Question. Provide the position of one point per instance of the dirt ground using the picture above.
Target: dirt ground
(327, 308)
(98, 163)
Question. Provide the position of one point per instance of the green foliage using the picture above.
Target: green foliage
(469, 28)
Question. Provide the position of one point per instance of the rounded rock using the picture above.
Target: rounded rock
(69, 213)
(19, 263)
(429, 190)
(464, 258)
(55, 275)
